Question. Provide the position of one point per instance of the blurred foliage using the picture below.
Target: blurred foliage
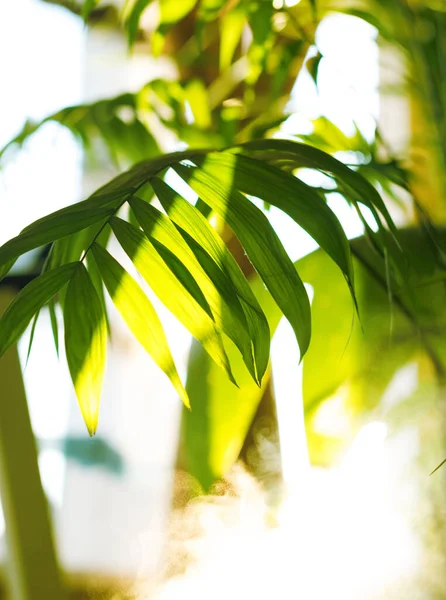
(350, 361)
(98, 452)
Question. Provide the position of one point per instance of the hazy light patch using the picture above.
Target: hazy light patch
(346, 524)
(44, 176)
(402, 385)
(287, 380)
(331, 418)
(315, 178)
(52, 465)
(180, 186)
(297, 122)
(2, 522)
(296, 241)
(346, 214)
(47, 381)
(368, 217)
(349, 73)
(38, 82)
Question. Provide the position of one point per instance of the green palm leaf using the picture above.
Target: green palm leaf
(222, 300)
(170, 290)
(29, 301)
(139, 314)
(288, 193)
(262, 246)
(185, 261)
(207, 244)
(85, 343)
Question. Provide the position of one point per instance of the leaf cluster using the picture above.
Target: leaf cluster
(183, 259)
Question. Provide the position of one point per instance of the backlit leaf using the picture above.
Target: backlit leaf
(173, 11)
(139, 314)
(132, 12)
(261, 244)
(170, 291)
(85, 343)
(195, 227)
(291, 195)
(29, 301)
(220, 297)
(231, 28)
(215, 431)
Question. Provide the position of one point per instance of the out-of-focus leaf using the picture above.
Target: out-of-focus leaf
(221, 298)
(117, 123)
(87, 7)
(327, 136)
(170, 291)
(139, 314)
(196, 228)
(214, 432)
(132, 11)
(231, 28)
(85, 343)
(262, 246)
(358, 362)
(260, 23)
(209, 9)
(96, 452)
(29, 301)
(173, 11)
(197, 96)
(312, 65)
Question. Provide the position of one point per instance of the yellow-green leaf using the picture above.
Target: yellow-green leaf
(139, 314)
(219, 293)
(85, 343)
(197, 96)
(172, 10)
(291, 195)
(29, 301)
(170, 291)
(262, 246)
(231, 28)
(195, 228)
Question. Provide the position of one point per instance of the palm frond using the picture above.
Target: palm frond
(181, 258)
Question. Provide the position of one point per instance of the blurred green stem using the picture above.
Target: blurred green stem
(32, 567)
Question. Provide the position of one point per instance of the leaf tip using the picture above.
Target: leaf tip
(92, 426)
(437, 467)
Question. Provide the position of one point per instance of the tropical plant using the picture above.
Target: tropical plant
(236, 63)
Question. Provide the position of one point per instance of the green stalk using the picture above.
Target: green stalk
(32, 568)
